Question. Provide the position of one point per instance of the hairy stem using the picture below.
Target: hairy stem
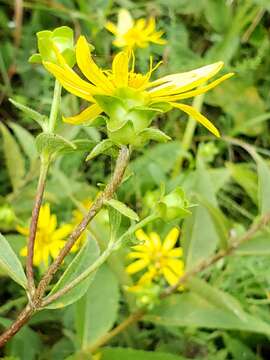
(33, 226)
(35, 303)
(107, 194)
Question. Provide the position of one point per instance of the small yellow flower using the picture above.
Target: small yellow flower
(49, 238)
(162, 260)
(134, 34)
(168, 89)
(78, 215)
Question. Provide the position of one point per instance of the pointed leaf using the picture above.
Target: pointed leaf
(263, 184)
(123, 209)
(52, 143)
(14, 159)
(153, 134)
(34, 115)
(100, 148)
(10, 263)
(27, 141)
(96, 312)
(85, 257)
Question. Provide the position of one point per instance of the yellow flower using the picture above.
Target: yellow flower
(162, 260)
(78, 215)
(49, 238)
(134, 34)
(168, 89)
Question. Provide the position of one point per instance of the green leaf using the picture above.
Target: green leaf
(114, 107)
(216, 297)
(35, 59)
(10, 263)
(34, 115)
(153, 134)
(123, 209)
(115, 222)
(97, 311)
(259, 245)
(131, 354)
(263, 184)
(14, 159)
(246, 178)
(52, 143)
(27, 141)
(100, 148)
(193, 310)
(200, 238)
(85, 258)
(219, 220)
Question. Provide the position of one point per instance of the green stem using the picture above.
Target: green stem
(55, 106)
(103, 257)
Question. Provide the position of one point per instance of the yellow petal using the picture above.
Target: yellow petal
(176, 252)
(71, 81)
(170, 276)
(22, 230)
(147, 277)
(170, 239)
(196, 92)
(141, 235)
(37, 256)
(52, 223)
(56, 247)
(111, 27)
(177, 83)
(88, 114)
(177, 266)
(88, 67)
(137, 266)
(198, 117)
(62, 232)
(136, 255)
(155, 241)
(23, 251)
(125, 21)
(44, 216)
(141, 248)
(120, 69)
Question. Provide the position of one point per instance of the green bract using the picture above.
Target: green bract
(174, 206)
(128, 118)
(62, 39)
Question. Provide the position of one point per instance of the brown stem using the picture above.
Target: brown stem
(36, 301)
(33, 227)
(139, 314)
(107, 194)
(22, 319)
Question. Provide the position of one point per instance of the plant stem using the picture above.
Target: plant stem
(33, 226)
(55, 106)
(35, 302)
(104, 256)
(139, 314)
(121, 164)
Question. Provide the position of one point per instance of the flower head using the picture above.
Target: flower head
(49, 238)
(129, 33)
(130, 99)
(161, 260)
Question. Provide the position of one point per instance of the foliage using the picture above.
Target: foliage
(212, 189)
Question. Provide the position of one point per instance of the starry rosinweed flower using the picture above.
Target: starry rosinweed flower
(49, 239)
(158, 259)
(130, 99)
(129, 33)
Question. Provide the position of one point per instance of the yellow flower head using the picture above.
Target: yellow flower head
(161, 260)
(122, 82)
(132, 34)
(49, 238)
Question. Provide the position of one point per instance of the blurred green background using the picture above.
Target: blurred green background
(231, 173)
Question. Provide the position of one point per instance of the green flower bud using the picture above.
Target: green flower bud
(7, 218)
(174, 206)
(60, 38)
